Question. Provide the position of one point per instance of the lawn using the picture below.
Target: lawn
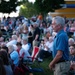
(45, 66)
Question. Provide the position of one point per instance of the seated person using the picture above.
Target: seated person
(71, 41)
(4, 48)
(46, 49)
(13, 40)
(7, 66)
(3, 71)
(14, 56)
(25, 44)
(4, 32)
(72, 57)
(41, 47)
(23, 53)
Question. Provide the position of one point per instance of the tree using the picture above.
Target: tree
(27, 9)
(45, 6)
(7, 6)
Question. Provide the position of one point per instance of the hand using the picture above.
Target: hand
(35, 39)
(51, 66)
(72, 67)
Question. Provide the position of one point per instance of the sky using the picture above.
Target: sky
(29, 0)
(32, 1)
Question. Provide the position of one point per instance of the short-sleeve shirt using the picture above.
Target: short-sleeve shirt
(15, 57)
(36, 32)
(61, 43)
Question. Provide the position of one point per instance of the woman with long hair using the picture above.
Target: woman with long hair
(2, 69)
(7, 66)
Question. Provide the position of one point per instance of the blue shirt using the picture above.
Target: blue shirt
(61, 43)
(72, 58)
(15, 57)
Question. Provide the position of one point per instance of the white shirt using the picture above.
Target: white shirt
(25, 52)
(12, 42)
(46, 44)
(50, 29)
(25, 47)
(50, 47)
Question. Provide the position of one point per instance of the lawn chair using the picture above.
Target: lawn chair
(34, 53)
(33, 58)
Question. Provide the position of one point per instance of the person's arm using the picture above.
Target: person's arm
(72, 66)
(37, 33)
(29, 36)
(46, 47)
(36, 37)
(56, 59)
(21, 53)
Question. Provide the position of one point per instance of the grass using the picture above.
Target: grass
(45, 66)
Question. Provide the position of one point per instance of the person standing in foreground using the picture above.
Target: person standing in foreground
(60, 63)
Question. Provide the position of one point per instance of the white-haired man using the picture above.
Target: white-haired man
(13, 41)
(71, 41)
(25, 48)
(60, 63)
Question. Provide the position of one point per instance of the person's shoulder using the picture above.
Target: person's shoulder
(63, 34)
(9, 66)
(22, 49)
(14, 52)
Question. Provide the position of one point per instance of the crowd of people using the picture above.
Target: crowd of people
(56, 37)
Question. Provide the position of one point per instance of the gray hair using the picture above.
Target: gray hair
(71, 39)
(14, 37)
(25, 39)
(11, 48)
(59, 20)
(35, 23)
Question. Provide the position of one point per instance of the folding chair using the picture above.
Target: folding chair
(33, 58)
(35, 53)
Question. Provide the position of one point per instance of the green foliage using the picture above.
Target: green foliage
(27, 9)
(8, 6)
(45, 6)
(44, 65)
